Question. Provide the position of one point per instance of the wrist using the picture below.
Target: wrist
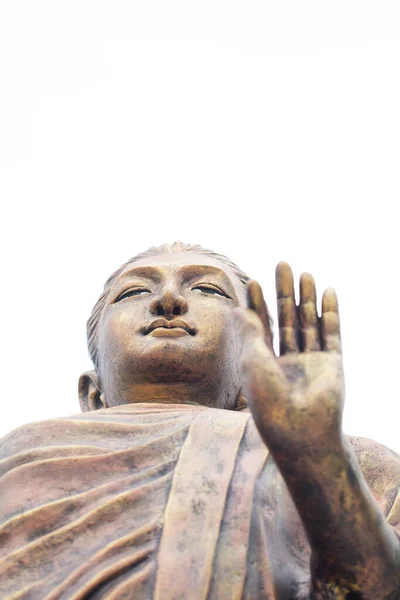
(332, 453)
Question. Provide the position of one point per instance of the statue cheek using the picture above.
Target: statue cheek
(118, 323)
(115, 335)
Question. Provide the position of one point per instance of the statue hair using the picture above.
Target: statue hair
(93, 322)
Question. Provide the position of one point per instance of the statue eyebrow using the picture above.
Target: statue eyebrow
(191, 271)
(146, 272)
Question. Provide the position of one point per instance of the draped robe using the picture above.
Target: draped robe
(156, 501)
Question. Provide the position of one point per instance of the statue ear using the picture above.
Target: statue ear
(90, 396)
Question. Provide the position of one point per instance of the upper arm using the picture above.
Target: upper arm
(381, 469)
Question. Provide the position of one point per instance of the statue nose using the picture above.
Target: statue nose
(168, 304)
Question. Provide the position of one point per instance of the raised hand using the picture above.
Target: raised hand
(297, 403)
(296, 398)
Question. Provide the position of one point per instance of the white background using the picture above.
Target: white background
(265, 131)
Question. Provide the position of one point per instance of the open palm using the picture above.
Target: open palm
(297, 398)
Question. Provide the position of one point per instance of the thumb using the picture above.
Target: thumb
(262, 378)
(255, 354)
(248, 324)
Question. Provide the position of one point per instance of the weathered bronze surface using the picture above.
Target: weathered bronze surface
(202, 465)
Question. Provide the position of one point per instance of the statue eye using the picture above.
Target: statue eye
(132, 292)
(210, 289)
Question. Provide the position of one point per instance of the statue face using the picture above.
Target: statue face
(167, 322)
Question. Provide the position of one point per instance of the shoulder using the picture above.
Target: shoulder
(376, 460)
(112, 428)
(25, 436)
(381, 469)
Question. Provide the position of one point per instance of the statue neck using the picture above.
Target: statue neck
(177, 393)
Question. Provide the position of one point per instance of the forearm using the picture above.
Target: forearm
(353, 547)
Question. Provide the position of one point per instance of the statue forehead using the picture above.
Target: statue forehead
(174, 260)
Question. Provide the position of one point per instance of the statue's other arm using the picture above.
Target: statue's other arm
(297, 403)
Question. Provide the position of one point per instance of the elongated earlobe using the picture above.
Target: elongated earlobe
(90, 396)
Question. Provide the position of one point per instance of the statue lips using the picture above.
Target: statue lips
(165, 328)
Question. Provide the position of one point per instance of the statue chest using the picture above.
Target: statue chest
(147, 503)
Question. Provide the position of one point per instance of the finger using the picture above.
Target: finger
(287, 310)
(308, 315)
(256, 302)
(330, 323)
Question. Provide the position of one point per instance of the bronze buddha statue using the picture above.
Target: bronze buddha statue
(202, 466)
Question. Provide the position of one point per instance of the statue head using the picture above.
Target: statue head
(162, 330)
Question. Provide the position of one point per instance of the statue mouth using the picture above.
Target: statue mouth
(169, 326)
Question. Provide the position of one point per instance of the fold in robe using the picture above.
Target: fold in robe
(156, 501)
